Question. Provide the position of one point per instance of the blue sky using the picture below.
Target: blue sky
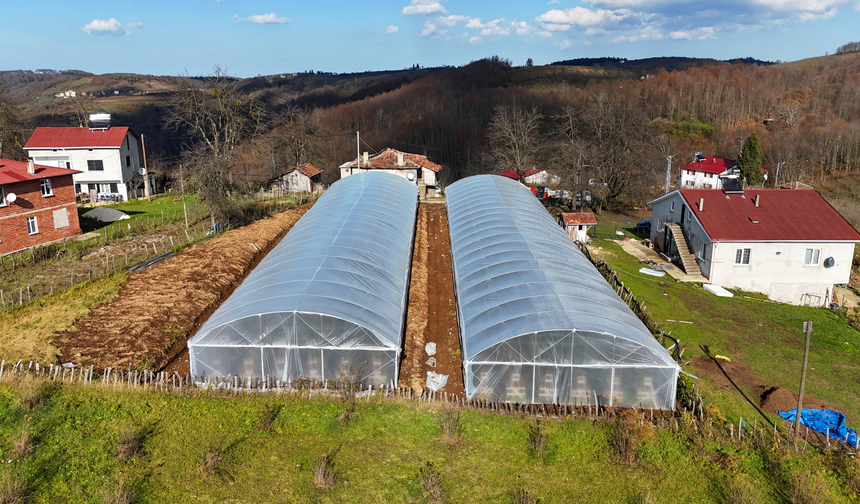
(263, 37)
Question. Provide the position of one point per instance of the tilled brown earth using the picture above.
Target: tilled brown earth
(432, 309)
(158, 309)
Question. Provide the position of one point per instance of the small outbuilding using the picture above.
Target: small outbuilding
(304, 178)
(577, 225)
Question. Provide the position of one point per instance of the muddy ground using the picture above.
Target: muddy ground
(432, 310)
(158, 309)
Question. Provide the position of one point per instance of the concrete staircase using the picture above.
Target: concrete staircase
(688, 260)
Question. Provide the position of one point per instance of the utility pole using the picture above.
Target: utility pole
(182, 188)
(358, 152)
(145, 171)
(776, 179)
(807, 328)
(668, 174)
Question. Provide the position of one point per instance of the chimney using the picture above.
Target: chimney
(701, 204)
(757, 196)
(365, 158)
(31, 167)
(399, 159)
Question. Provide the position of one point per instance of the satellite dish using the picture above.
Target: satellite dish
(142, 171)
(829, 262)
(410, 176)
(11, 197)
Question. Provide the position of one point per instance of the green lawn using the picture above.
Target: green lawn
(377, 456)
(163, 209)
(766, 336)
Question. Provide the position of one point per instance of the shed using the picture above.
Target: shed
(577, 225)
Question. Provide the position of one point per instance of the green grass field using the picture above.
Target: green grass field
(766, 336)
(159, 210)
(75, 433)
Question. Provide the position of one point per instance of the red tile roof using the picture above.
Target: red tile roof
(511, 174)
(69, 138)
(578, 218)
(388, 159)
(711, 165)
(12, 172)
(782, 215)
(309, 169)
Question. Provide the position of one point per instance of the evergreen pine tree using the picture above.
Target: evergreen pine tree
(749, 161)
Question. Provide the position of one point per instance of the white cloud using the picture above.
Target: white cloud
(565, 44)
(702, 33)
(561, 20)
(270, 18)
(392, 29)
(476, 41)
(431, 28)
(814, 16)
(109, 27)
(553, 2)
(649, 33)
(453, 20)
(423, 8)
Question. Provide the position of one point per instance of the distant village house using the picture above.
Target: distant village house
(413, 167)
(304, 178)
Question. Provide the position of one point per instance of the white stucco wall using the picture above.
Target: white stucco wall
(428, 177)
(700, 180)
(294, 181)
(777, 269)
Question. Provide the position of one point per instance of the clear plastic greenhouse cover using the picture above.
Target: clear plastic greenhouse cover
(538, 322)
(329, 300)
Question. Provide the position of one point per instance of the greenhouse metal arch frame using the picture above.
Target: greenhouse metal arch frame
(328, 302)
(538, 323)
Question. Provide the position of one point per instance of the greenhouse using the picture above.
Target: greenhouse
(328, 302)
(538, 323)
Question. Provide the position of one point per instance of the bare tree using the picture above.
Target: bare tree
(299, 134)
(514, 136)
(11, 139)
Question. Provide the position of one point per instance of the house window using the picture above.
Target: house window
(95, 165)
(113, 188)
(742, 257)
(77, 188)
(812, 257)
(708, 186)
(672, 208)
(68, 165)
(690, 172)
(127, 161)
(47, 190)
(32, 226)
(2, 197)
(689, 182)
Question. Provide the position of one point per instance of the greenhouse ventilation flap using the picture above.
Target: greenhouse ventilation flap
(538, 322)
(329, 300)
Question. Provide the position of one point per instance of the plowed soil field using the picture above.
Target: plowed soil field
(158, 309)
(432, 311)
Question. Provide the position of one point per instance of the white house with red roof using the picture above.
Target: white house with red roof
(106, 159)
(37, 205)
(704, 172)
(304, 178)
(789, 244)
(413, 167)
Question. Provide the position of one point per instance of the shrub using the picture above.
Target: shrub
(25, 445)
(536, 437)
(807, 488)
(522, 496)
(450, 420)
(121, 494)
(131, 440)
(324, 476)
(269, 416)
(431, 484)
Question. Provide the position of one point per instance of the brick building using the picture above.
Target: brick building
(37, 205)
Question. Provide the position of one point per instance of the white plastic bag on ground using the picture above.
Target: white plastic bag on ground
(430, 348)
(436, 381)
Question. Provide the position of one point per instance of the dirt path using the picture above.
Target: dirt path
(432, 310)
(158, 309)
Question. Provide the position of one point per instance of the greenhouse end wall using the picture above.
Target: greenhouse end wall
(538, 323)
(328, 302)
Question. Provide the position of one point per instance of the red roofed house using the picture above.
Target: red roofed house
(106, 158)
(413, 167)
(789, 244)
(304, 178)
(577, 224)
(704, 173)
(37, 205)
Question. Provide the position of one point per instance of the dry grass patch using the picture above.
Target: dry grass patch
(25, 445)
(450, 419)
(431, 484)
(27, 333)
(324, 476)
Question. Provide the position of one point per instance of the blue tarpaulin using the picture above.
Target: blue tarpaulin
(822, 420)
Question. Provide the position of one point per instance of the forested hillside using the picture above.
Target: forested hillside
(607, 125)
